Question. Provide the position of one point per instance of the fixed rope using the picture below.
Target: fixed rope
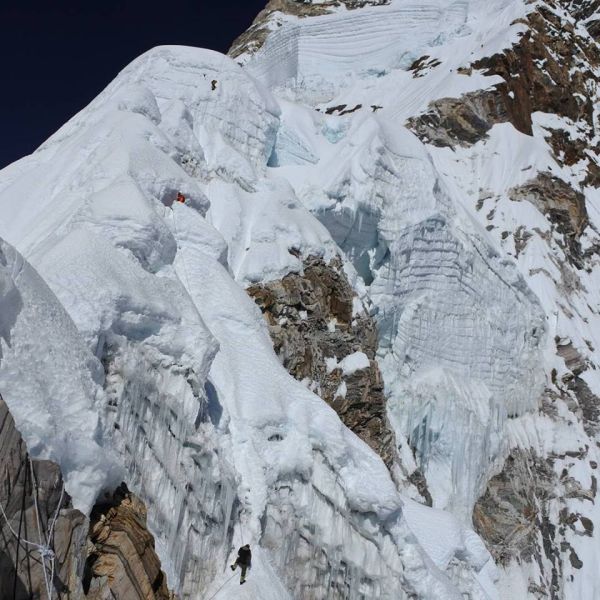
(51, 531)
(43, 547)
(222, 586)
(242, 529)
(15, 579)
(232, 576)
(180, 247)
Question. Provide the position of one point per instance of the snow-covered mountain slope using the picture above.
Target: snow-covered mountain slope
(460, 196)
(477, 243)
(222, 444)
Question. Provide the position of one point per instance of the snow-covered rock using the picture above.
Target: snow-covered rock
(389, 134)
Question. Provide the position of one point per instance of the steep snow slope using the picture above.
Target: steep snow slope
(399, 136)
(221, 443)
(477, 243)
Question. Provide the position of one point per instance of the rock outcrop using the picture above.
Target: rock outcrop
(513, 517)
(321, 341)
(48, 548)
(562, 205)
(588, 13)
(460, 121)
(121, 559)
(551, 69)
(511, 513)
(573, 388)
(42, 538)
(516, 516)
(543, 71)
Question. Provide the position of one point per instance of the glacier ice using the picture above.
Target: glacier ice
(52, 382)
(461, 333)
(142, 297)
(221, 443)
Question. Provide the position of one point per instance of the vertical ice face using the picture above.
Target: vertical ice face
(461, 334)
(317, 53)
(461, 341)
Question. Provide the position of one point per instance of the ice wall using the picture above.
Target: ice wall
(318, 52)
(52, 382)
(461, 334)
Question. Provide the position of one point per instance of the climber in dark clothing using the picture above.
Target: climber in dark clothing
(244, 561)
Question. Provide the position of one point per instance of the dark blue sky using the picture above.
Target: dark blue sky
(56, 56)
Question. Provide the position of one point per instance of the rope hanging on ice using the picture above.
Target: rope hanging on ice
(241, 527)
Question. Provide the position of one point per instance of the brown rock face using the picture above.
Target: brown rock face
(569, 150)
(564, 207)
(587, 11)
(516, 517)
(54, 524)
(510, 514)
(548, 70)
(310, 319)
(460, 121)
(122, 561)
(575, 391)
(541, 72)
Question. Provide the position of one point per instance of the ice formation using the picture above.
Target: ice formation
(52, 380)
(193, 392)
(130, 308)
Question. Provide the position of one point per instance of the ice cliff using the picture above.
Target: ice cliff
(378, 201)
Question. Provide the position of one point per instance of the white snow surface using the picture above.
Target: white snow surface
(211, 431)
(223, 445)
(51, 382)
(354, 362)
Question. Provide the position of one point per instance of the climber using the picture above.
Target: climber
(180, 197)
(244, 560)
